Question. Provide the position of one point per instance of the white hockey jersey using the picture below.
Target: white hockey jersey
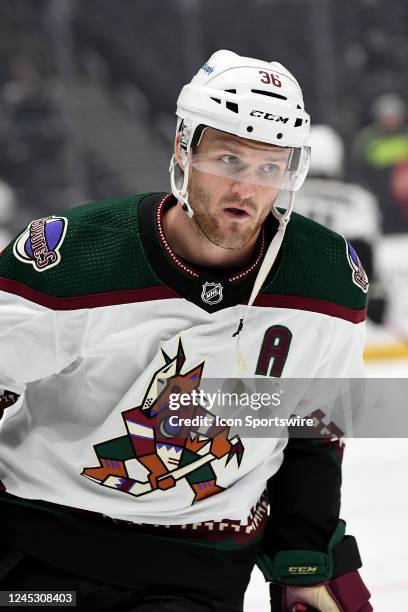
(100, 320)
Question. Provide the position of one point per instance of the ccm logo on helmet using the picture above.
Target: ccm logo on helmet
(269, 116)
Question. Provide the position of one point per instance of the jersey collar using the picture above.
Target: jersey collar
(203, 286)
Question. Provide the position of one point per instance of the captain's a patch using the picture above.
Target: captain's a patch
(359, 275)
(40, 243)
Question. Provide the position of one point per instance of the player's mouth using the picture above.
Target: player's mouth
(236, 213)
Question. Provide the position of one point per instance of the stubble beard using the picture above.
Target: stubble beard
(208, 225)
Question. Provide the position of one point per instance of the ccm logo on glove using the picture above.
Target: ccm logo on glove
(302, 569)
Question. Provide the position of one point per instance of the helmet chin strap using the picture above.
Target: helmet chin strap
(273, 249)
(267, 263)
(181, 192)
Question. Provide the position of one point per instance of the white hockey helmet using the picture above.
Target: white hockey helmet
(249, 98)
(327, 152)
(389, 106)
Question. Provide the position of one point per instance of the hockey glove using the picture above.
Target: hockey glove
(346, 593)
(328, 582)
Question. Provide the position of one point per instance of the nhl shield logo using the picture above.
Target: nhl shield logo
(211, 293)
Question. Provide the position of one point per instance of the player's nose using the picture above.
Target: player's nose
(244, 189)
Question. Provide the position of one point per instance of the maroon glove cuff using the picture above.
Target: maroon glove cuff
(350, 592)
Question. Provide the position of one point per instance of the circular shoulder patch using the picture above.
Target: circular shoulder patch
(39, 244)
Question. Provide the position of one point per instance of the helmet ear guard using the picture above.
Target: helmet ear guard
(188, 139)
(180, 152)
(179, 174)
(179, 183)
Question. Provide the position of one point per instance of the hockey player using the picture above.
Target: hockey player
(110, 308)
(347, 208)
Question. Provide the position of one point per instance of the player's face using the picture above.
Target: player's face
(233, 184)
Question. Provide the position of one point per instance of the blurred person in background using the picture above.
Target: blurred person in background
(34, 135)
(8, 212)
(377, 150)
(399, 188)
(113, 307)
(347, 208)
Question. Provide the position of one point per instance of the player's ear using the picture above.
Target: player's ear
(178, 152)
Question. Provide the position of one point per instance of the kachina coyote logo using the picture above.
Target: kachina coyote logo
(39, 244)
(168, 453)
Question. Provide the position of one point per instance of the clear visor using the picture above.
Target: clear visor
(279, 168)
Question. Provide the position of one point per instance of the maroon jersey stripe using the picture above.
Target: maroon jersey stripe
(163, 292)
(311, 305)
(113, 298)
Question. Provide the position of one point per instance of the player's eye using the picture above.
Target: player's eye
(270, 168)
(230, 159)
